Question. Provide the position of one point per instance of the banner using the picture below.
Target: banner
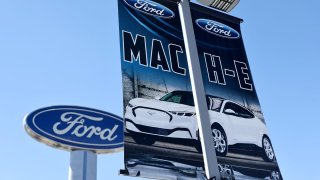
(161, 131)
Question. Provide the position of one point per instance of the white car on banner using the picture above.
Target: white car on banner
(174, 116)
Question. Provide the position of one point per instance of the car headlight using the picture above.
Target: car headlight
(131, 105)
(183, 113)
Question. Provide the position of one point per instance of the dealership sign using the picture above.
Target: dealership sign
(76, 128)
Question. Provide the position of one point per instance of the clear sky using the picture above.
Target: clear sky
(58, 52)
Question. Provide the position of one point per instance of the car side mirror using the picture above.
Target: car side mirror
(229, 111)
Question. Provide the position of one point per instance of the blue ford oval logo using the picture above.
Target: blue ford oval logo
(151, 8)
(217, 28)
(73, 127)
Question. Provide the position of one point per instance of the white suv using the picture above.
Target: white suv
(174, 116)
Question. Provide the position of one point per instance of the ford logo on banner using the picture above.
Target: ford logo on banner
(151, 8)
(76, 128)
(217, 28)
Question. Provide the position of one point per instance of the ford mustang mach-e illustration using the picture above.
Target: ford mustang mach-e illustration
(173, 116)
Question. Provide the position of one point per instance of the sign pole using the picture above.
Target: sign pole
(83, 165)
(208, 149)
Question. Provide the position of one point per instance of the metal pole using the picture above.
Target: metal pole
(83, 165)
(209, 154)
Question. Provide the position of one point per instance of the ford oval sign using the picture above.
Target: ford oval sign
(76, 128)
(217, 28)
(151, 8)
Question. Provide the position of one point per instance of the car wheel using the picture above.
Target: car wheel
(220, 141)
(143, 139)
(268, 153)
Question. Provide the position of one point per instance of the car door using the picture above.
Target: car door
(241, 124)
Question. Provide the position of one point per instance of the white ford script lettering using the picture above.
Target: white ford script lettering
(217, 29)
(141, 4)
(76, 126)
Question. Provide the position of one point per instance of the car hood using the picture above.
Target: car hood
(162, 105)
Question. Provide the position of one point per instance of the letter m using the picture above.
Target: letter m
(134, 48)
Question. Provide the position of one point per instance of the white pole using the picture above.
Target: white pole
(209, 154)
(83, 165)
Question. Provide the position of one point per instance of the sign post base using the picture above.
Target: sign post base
(83, 165)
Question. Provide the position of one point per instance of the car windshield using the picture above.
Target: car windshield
(180, 97)
(186, 97)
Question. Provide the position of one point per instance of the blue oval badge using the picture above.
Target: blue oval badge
(217, 28)
(151, 8)
(74, 127)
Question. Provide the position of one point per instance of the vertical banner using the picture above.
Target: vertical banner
(161, 131)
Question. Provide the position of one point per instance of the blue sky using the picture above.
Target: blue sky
(67, 53)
